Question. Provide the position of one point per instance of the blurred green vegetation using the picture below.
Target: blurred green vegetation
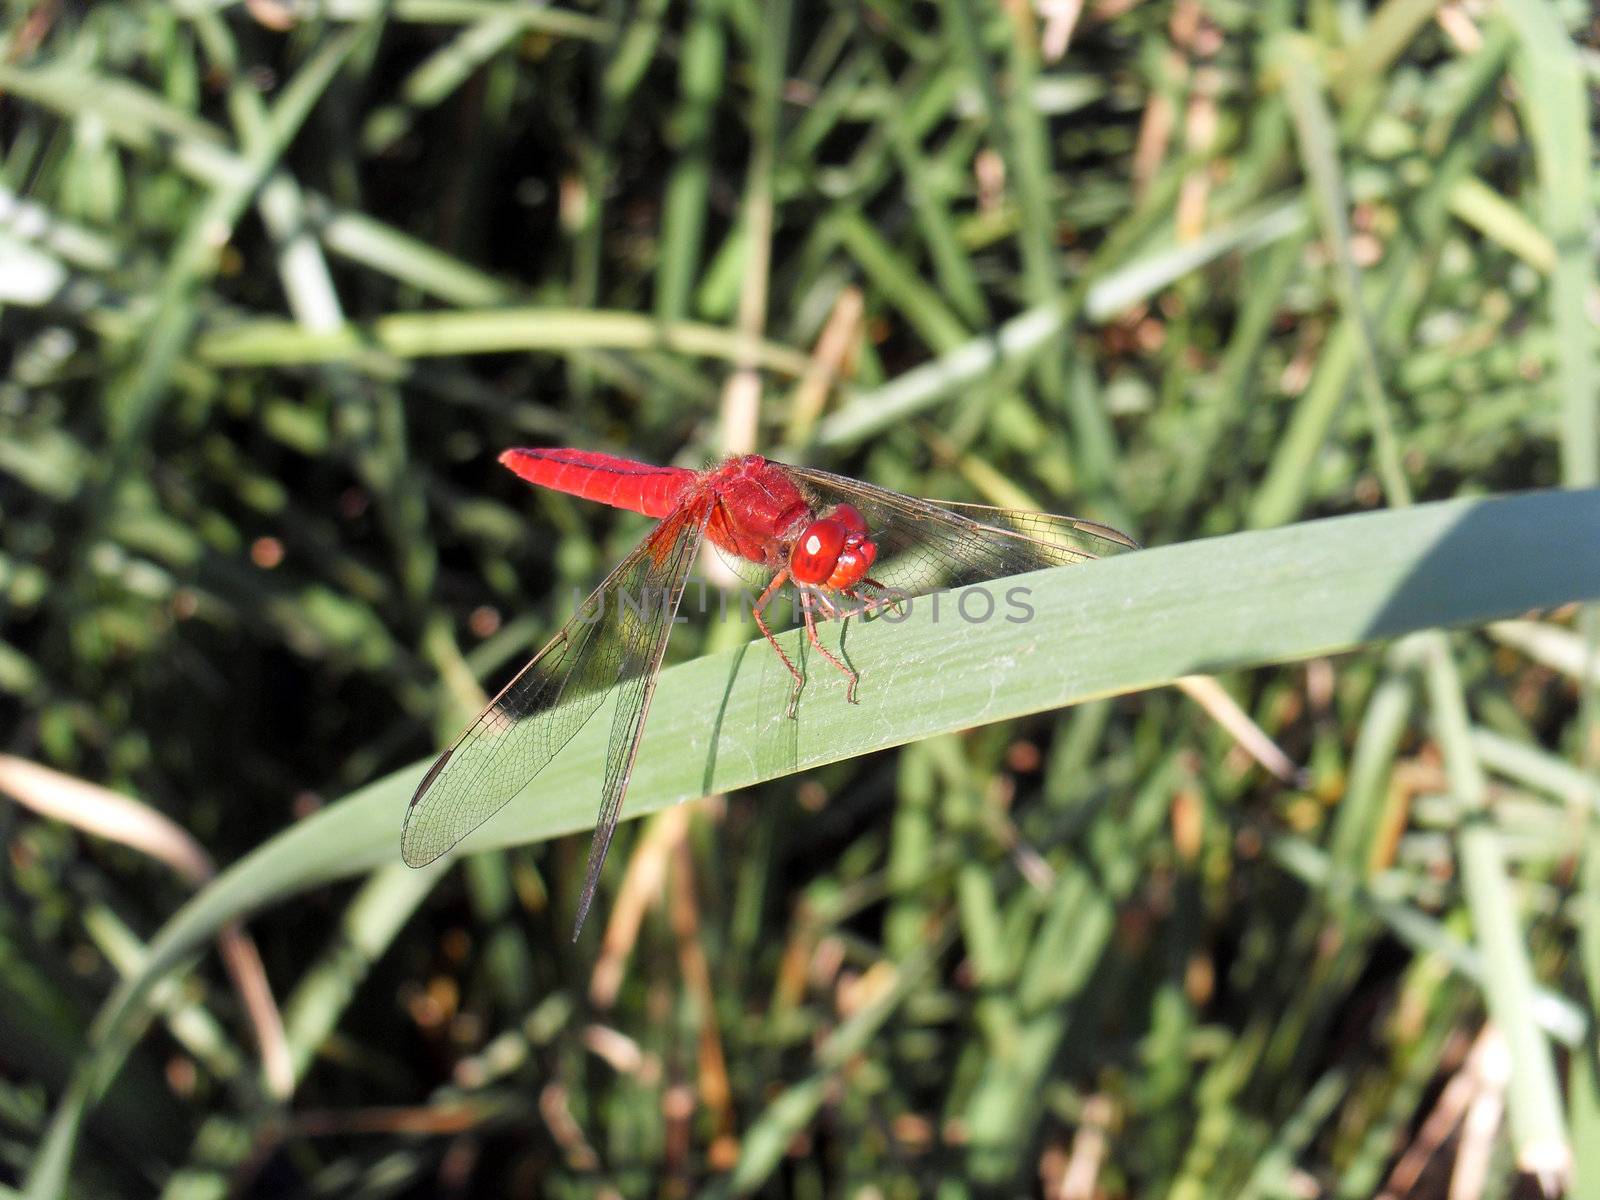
(281, 278)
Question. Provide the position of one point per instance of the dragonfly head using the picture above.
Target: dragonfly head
(833, 551)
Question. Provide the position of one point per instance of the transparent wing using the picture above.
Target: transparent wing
(646, 642)
(1075, 535)
(613, 642)
(924, 545)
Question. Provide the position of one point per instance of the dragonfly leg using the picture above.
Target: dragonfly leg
(831, 610)
(869, 605)
(799, 679)
(811, 632)
(895, 600)
(860, 606)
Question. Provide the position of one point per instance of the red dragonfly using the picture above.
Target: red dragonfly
(849, 547)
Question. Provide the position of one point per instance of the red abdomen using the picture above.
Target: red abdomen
(619, 482)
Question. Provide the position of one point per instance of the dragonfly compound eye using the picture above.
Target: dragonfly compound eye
(853, 561)
(834, 552)
(817, 550)
(850, 517)
(855, 557)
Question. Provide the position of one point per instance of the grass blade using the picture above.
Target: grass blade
(1128, 623)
